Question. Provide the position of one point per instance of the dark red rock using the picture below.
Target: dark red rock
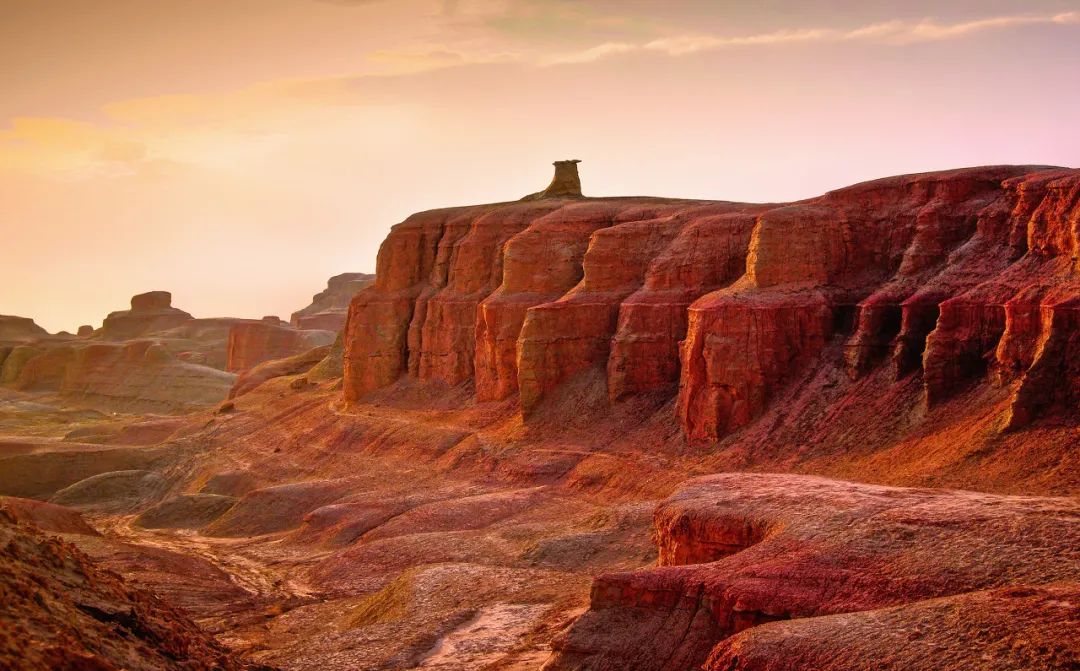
(914, 272)
(741, 550)
(252, 343)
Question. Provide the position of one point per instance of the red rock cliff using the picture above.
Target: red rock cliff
(957, 277)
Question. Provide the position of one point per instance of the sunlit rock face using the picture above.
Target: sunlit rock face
(252, 343)
(150, 312)
(739, 551)
(959, 277)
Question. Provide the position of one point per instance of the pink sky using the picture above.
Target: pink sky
(239, 152)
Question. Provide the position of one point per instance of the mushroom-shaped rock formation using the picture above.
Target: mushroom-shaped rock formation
(565, 184)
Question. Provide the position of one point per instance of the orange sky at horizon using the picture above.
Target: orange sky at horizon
(240, 152)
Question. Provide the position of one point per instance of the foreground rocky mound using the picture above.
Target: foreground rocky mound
(996, 630)
(921, 287)
(62, 612)
(741, 550)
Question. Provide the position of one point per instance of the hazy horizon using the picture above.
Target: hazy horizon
(240, 153)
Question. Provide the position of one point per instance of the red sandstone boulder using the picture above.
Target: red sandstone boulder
(740, 550)
(47, 516)
(268, 370)
(61, 611)
(1032, 627)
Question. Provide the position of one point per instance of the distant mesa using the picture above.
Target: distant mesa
(330, 306)
(85, 331)
(151, 300)
(19, 329)
(565, 184)
(151, 311)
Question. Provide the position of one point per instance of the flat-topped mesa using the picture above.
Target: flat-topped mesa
(725, 303)
(19, 329)
(739, 550)
(565, 184)
(254, 342)
(150, 312)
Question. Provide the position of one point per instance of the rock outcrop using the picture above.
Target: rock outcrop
(252, 343)
(330, 307)
(741, 550)
(141, 376)
(959, 277)
(63, 612)
(293, 365)
(565, 184)
(995, 630)
(150, 312)
(19, 329)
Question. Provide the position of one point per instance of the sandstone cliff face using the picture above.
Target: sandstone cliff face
(741, 550)
(252, 343)
(140, 376)
(958, 277)
(19, 329)
(61, 611)
(330, 307)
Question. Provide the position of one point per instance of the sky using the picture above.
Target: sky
(240, 152)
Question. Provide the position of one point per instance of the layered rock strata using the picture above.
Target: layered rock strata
(19, 329)
(330, 307)
(150, 312)
(252, 343)
(740, 550)
(959, 277)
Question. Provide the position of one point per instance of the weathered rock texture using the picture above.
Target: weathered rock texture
(956, 277)
(740, 550)
(150, 312)
(19, 329)
(996, 630)
(141, 375)
(293, 365)
(60, 611)
(330, 307)
(252, 343)
(565, 184)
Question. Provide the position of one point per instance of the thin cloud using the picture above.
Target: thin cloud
(897, 33)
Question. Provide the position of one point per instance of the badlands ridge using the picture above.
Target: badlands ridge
(579, 433)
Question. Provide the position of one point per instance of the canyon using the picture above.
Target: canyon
(567, 433)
